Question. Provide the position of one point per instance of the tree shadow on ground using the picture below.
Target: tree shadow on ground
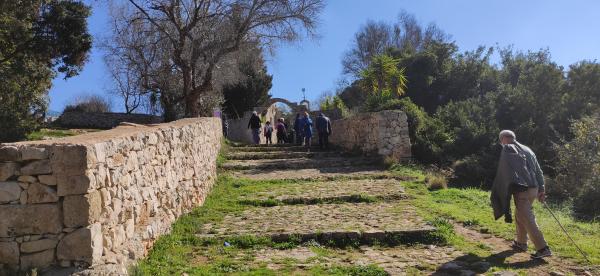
(476, 263)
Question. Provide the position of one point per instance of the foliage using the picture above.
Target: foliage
(249, 92)
(89, 104)
(579, 168)
(383, 77)
(37, 40)
(436, 182)
(334, 105)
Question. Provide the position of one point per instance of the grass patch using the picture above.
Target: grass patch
(46, 133)
(358, 270)
(471, 207)
(270, 202)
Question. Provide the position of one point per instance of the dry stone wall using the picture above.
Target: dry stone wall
(107, 120)
(104, 197)
(382, 133)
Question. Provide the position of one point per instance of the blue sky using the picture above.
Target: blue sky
(570, 29)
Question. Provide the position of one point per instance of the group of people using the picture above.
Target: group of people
(302, 130)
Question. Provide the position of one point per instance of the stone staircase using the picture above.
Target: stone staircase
(329, 198)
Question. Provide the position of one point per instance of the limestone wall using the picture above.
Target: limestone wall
(238, 128)
(75, 119)
(382, 133)
(103, 197)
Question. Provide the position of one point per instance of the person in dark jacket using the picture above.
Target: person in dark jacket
(281, 131)
(254, 124)
(268, 133)
(323, 125)
(307, 125)
(299, 129)
(519, 175)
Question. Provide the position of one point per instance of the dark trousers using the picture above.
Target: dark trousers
(323, 140)
(299, 138)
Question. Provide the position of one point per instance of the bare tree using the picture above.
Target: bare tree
(374, 38)
(178, 45)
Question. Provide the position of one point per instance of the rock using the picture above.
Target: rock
(73, 185)
(47, 179)
(38, 260)
(587, 273)
(7, 170)
(9, 153)
(129, 228)
(37, 167)
(480, 267)
(27, 179)
(23, 197)
(9, 191)
(556, 273)
(31, 153)
(82, 210)
(9, 253)
(84, 244)
(40, 193)
(505, 273)
(37, 246)
(20, 220)
(64, 263)
(450, 266)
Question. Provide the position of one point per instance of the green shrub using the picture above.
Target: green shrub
(436, 182)
(579, 169)
(90, 104)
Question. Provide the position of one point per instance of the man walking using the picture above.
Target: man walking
(323, 125)
(519, 174)
(254, 124)
(307, 124)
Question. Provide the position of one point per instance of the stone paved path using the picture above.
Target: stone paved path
(331, 198)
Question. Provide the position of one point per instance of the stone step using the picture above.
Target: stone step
(255, 155)
(296, 164)
(322, 174)
(255, 148)
(389, 223)
(396, 260)
(365, 190)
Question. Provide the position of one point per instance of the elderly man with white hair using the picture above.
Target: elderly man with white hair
(519, 176)
(254, 124)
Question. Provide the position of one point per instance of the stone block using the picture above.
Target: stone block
(27, 179)
(8, 170)
(37, 167)
(47, 179)
(82, 210)
(38, 245)
(9, 191)
(84, 244)
(73, 185)
(18, 220)
(31, 153)
(40, 193)
(38, 260)
(9, 253)
(9, 153)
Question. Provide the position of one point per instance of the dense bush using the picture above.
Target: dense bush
(89, 104)
(579, 168)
